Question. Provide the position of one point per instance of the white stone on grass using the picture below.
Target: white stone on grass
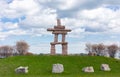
(105, 67)
(57, 68)
(21, 69)
(88, 69)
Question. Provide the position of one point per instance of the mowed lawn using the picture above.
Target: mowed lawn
(41, 66)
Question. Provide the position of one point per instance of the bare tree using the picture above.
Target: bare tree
(95, 48)
(101, 49)
(22, 47)
(91, 49)
(6, 51)
(112, 49)
(119, 51)
(88, 48)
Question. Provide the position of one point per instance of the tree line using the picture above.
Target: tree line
(102, 50)
(20, 48)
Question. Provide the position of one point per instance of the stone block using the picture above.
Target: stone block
(21, 69)
(57, 68)
(105, 67)
(88, 69)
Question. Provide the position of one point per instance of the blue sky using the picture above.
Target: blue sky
(91, 21)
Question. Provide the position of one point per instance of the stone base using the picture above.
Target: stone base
(64, 47)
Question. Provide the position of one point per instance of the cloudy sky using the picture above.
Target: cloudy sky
(91, 21)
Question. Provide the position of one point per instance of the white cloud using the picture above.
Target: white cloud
(38, 17)
(113, 37)
(3, 6)
(2, 37)
(9, 25)
(27, 7)
(100, 18)
(11, 32)
(42, 20)
(16, 32)
(18, 8)
(38, 21)
(66, 5)
(38, 32)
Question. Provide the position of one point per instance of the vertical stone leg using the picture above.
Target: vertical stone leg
(63, 37)
(56, 38)
(64, 49)
(52, 49)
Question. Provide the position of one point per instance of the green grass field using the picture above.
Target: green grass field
(41, 66)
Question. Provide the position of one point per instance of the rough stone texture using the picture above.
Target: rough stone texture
(21, 69)
(59, 29)
(88, 69)
(105, 67)
(57, 68)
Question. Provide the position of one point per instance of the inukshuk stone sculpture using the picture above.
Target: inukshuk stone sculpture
(59, 29)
